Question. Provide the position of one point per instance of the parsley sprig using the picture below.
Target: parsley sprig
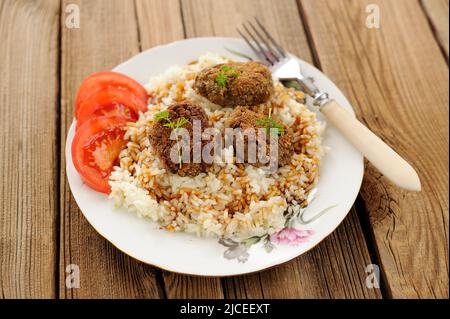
(224, 74)
(174, 125)
(269, 123)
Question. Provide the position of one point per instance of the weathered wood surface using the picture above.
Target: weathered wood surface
(397, 81)
(29, 152)
(336, 268)
(437, 12)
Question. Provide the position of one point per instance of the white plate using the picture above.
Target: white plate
(341, 175)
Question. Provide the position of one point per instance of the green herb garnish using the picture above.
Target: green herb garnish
(268, 123)
(221, 80)
(164, 115)
(178, 123)
(224, 74)
(174, 125)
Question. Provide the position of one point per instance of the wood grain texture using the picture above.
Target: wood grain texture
(333, 269)
(161, 22)
(108, 35)
(28, 157)
(397, 81)
(336, 268)
(190, 287)
(437, 12)
(221, 18)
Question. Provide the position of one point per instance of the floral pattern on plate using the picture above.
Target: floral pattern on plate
(289, 235)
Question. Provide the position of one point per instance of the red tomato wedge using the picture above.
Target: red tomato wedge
(102, 80)
(110, 102)
(96, 148)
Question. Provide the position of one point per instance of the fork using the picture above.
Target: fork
(286, 67)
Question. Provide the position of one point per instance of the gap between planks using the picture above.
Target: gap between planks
(359, 204)
(438, 18)
(107, 36)
(27, 138)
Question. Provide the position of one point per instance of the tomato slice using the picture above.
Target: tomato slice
(96, 148)
(102, 80)
(110, 102)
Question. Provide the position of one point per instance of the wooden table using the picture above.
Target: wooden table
(396, 77)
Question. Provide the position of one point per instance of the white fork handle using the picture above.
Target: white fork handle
(384, 158)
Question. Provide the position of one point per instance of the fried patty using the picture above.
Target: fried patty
(245, 118)
(162, 144)
(233, 84)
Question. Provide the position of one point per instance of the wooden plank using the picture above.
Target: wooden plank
(437, 12)
(221, 18)
(191, 287)
(29, 156)
(151, 16)
(244, 287)
(397, 80)
(154, 14)
(336, 268)
(107, 36)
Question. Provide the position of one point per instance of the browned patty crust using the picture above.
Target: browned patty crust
(248, 84)
(162, 144)
(245, 118)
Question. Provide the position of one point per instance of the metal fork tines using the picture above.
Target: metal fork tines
(282, 65)
(262, 43)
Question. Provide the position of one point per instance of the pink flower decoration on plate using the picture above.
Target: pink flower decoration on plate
(291, 236)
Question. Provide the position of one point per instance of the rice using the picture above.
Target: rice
(231, 199)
